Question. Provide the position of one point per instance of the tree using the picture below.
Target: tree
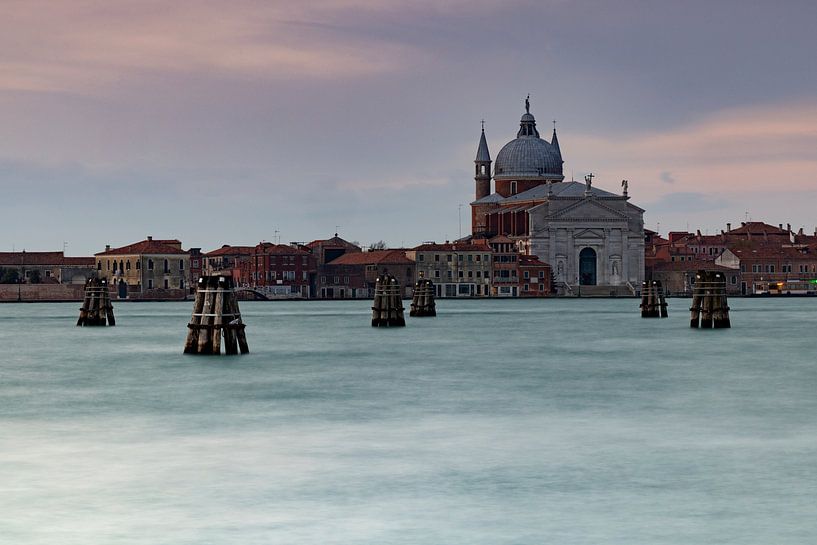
(379, 245)
(9, 276)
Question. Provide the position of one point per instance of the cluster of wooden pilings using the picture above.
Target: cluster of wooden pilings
(709, 305)
(96, 306)
(215, 314)
(422, 302)
(387, 310)
(653, 300)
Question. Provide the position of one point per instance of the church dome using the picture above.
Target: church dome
(528, 156)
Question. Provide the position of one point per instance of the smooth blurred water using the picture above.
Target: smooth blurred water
(498, 422)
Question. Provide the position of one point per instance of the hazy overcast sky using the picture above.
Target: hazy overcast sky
(222, 122)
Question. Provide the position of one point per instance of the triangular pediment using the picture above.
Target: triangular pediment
(588, 210)
(589, 233)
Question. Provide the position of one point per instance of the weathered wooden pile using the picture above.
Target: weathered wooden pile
(653, 300)
(215, 314)
(96, 306)
(387, 310)
(422, 303)
(709, 305)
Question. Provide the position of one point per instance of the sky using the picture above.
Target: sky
(249, 120)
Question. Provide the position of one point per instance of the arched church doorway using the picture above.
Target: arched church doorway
(587, 267)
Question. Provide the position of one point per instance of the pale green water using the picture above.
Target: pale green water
(498, 422)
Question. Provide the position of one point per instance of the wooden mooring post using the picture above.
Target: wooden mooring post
(422, 302)
(387, 309)
(710, 308)
(215, 314)
(653, 300)
(96, 305)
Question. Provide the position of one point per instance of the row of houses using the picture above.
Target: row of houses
(756, 258)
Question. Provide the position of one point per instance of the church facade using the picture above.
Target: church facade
(593, 239)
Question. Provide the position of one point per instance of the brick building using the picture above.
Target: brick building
(227, 258)
(280, 269)
(535, 277)
(353, 275)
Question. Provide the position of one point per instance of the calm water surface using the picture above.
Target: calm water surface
(498, 422)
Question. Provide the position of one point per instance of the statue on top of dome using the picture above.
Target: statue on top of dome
(527, 104)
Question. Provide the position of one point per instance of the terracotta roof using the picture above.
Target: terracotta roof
(43, 258)
(231, 250)
(376, 257)
(147, 246)
(758, 228)
(689, 266)
(279, 249)
(531, 261)
(453, 247)
(334, 241)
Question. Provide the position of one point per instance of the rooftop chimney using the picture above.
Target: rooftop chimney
(728, 227)
(150, 238)
(107, 247)
(788, 227)
(780, 226)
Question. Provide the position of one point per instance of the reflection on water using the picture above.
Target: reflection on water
(498, 422)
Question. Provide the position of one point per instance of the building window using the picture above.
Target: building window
(127, 265)
(541, 274)
(323, 278)
(167, 283)
(345, 279)
(478, 257)
(526, 287)
(436, 257)
(470, 258)
(181, 283)
(150, 264)
(734, 280)
(114, 267)
(470, 274)
(150, 283)
(479, 274)
(194, 263)
(449, 257)
(337, 279)
(436, 274)
(420, 257)
(107, 264)
(181, 264)
(526, 275)
(460, 274)
(167, 266)
(541, 287)
(99, 265)
(450, 275)
(513, 188)
(138, 265)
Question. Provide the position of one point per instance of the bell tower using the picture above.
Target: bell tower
(482, 173)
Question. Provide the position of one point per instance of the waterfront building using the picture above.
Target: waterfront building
(326, 250)
(591, 238)
(228, 258)
(148, 268)
(535, 277)
(353, 275)
(458, 269)
(47, 267)
(279, 270)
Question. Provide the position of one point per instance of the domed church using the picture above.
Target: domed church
(592, 239)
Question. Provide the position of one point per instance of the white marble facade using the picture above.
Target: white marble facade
(594, 238)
